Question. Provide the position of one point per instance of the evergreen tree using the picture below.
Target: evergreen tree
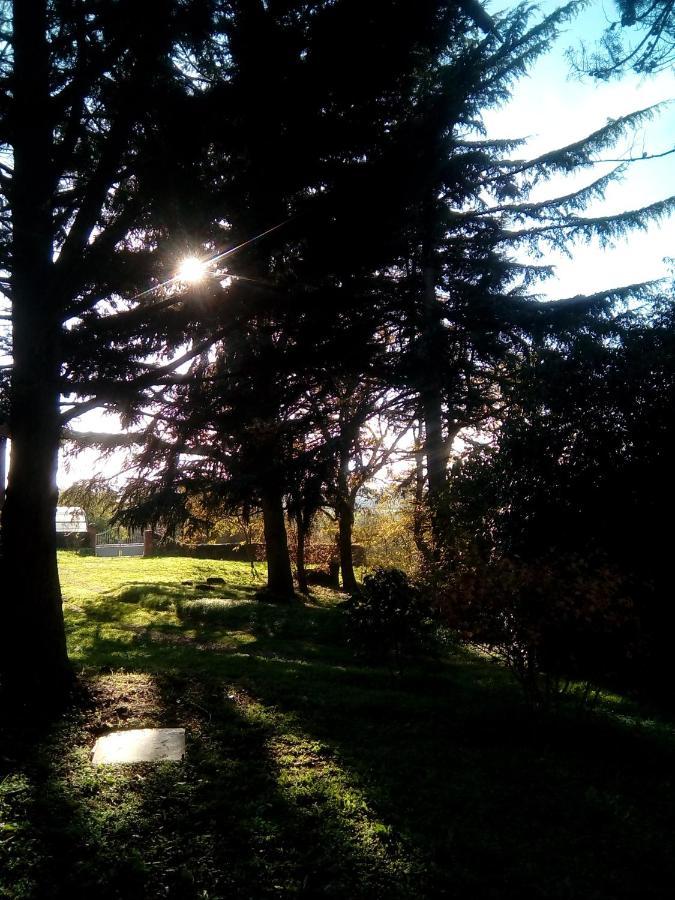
(640, 36)
(400, 266)
(465, 298)
(301, 301)
(84, 89)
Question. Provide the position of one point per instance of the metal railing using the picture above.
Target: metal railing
(119, 536)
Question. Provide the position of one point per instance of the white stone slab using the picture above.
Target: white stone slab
(140, 745)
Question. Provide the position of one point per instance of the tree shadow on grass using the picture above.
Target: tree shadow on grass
(499, 804)
(318, 628)
(221, 824)
(429, 785)
(156, 595)
(210, 617)
(470, 791)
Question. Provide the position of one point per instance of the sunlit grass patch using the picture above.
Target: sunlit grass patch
(215, 609)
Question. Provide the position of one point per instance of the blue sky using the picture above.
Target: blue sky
(553, 108)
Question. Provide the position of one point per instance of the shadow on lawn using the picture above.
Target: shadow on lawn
(119, 604)
(313, 776)
(218, 825)
(294, 622)
(499, 804)
(473, 795)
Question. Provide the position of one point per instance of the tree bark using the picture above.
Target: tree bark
(301, 526)
(344, 510)
(33, 659)
(279, 573)
(432, 403)
(345, 516)
(34, 662)
(431, 393)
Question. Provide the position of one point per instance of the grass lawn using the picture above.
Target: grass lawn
(309, 774)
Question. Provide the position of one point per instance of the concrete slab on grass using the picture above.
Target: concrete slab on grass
(140, 745)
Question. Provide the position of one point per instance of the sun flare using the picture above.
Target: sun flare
(191, 270)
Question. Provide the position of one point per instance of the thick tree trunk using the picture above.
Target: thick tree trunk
(345, 516)
(34, 665)
(279, 574)
(33, 661)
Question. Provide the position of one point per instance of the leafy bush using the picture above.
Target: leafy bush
(388, 620)
(555, 622)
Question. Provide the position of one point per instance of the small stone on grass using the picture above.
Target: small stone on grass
(140, 745)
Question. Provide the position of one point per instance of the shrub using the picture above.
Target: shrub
(557, 622)
(388, 620)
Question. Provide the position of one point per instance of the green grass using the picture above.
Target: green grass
(310, 774)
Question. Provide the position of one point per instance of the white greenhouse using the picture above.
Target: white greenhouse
(70, 520)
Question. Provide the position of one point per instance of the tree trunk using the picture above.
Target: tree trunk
(301, 526)
(345, 516)
(431, 396)
(33, 660)
(432, 402)
(3, 471)
(420, 517)
(344, 510)
(34, 663)
(279, 574)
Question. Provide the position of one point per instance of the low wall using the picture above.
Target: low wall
(235, 552)
(318, 554)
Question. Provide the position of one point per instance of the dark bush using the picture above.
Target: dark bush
(560, 623)
(324, 578)
(388, 621)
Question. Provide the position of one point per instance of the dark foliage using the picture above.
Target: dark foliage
(389, 619)
(582, 469)
(554, 621)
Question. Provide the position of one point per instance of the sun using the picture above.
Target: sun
(191, 269)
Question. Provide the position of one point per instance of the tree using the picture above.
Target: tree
(641, 37)
(85, 88)
(421, 271)
(581, 468)
(302, 303)
(465, 299)
(367, 438)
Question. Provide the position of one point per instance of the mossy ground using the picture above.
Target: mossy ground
(309, 774)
